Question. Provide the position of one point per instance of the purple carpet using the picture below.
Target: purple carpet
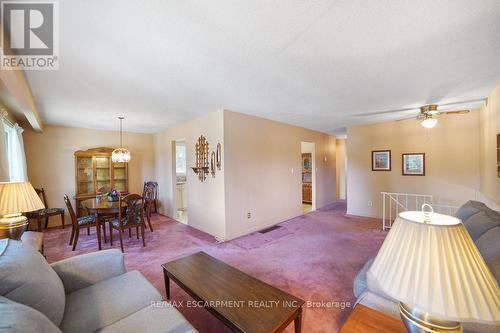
(314, 257)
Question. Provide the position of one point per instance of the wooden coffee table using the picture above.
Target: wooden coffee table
(240, 301)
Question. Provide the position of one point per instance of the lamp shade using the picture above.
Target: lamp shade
(18, 197)
(430, 262)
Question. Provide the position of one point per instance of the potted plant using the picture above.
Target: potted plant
(112, 195)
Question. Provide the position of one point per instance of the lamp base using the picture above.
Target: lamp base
(417, 321)
(13, 226)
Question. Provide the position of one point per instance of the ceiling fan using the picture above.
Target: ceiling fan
(427, 113)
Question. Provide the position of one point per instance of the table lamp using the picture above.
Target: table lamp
(16, 198)
(430, 264)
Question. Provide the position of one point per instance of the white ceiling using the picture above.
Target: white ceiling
(310, 63)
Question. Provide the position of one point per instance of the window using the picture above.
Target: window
(180, 159)
(14, 148)
(6, 129)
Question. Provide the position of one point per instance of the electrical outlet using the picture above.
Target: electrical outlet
(249, 215)
(370, 203)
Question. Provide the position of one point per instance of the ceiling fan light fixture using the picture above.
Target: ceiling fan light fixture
(429, 122)
(120, 155)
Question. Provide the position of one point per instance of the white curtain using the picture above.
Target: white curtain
(4, 164)
(17, 158)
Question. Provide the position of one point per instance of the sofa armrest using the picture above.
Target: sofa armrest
(359, 285)
(88, 269)
(391, 308)
(379, 303)
(34, 239)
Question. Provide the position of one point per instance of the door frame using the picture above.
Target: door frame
(174, 179)
(313, 172)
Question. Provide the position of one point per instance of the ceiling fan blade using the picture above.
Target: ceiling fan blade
(454, 112)
(408, 118)
(464, 102)
(418, 108)
(384, 112)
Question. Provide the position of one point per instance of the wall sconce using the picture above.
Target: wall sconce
(218, 156)
(212, 164)
(201, 151)
(202, 168)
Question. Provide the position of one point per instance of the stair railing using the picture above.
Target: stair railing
(393, 203)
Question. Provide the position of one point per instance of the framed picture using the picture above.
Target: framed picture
(414, 164)
(381, 160)
(306, 162)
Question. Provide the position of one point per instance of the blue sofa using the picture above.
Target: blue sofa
(483, 225)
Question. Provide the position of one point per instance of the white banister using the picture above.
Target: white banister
(393, 203)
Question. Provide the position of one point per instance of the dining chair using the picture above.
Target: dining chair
(103, 218)
(134, 218)
(78, 223)
(154, 186)
(148, 196)
(46, 212)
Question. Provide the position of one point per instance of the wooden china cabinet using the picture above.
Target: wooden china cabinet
(94, 169)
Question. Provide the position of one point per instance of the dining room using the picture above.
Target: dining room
(78, 163)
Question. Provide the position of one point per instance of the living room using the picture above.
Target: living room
(399, 104)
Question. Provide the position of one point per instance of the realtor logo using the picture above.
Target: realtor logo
(30, 35)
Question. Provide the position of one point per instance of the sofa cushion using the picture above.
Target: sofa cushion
(489, 246)
(468, 209)
(152, 319)
(106, 302)
(479, 223)
(359, 285)
(19, 318)
(27, 278)
(87, 269)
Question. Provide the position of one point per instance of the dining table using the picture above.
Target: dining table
(102, 207)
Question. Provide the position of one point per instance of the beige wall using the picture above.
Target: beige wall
(205, 200)
(489, 124)
(50, 159)
(341, 161)
(259, 157)
(452, 161)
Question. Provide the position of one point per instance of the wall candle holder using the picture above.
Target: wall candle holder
(212, 164)
(201, 151)
(218, 156)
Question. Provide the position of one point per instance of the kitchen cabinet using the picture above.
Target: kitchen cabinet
(306, 193)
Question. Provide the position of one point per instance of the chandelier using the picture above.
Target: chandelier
(120, 154)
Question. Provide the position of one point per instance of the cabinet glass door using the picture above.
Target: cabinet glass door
(103, 172)
(120, 176)
(85, 175)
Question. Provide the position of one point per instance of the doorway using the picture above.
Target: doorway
(308, 155)
(181, 211)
